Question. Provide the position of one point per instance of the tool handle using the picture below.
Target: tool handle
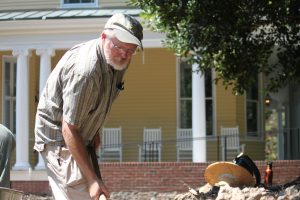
(102, 197)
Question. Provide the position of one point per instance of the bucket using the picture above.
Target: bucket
(10, 194)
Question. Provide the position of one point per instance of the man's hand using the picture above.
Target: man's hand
(78, 150)
(98, 189)
(102, 197)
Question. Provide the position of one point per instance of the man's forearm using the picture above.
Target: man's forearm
(78, 150)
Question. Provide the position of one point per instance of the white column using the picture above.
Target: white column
(22, 111)
(198, 116)
(45, 70)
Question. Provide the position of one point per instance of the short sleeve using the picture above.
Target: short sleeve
(78, 98)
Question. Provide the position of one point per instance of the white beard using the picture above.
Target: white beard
(114, 62)
(115, 65)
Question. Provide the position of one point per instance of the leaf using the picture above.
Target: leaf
(236, 38)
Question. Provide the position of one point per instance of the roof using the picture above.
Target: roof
(63, 13)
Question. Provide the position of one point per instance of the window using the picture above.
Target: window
(9, 92)
(185, 95)
(209, 102)
(78, 3)
(252, 110)
(185, 98)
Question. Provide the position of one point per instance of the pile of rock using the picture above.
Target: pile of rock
(289, 191)
(6, 193)
(142, 196)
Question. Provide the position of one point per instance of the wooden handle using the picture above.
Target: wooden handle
(102, 197)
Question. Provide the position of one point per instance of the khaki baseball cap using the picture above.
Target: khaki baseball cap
(127, 28)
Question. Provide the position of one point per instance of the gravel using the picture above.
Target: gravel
(289, 191)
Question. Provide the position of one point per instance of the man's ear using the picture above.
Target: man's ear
(103, 36)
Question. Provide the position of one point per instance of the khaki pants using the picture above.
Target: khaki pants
(65, 177)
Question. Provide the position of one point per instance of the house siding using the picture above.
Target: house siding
(130, 111)
(149, 100)
(213, 151)
(241, 114)
(33, 67)
(226, 104)
(231, 112)
(50, 4)
(29, 4)
(255, 149)
(112, 3)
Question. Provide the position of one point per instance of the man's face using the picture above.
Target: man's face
(118, 54)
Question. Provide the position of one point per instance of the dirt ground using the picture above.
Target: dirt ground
(288, 191)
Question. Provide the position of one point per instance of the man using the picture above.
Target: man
(7, 145)
(75, 102)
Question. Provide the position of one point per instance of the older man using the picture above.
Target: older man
(75, 102)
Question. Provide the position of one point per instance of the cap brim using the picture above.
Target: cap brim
(125, 36)
(230, 173)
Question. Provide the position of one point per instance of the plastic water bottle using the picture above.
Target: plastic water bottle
(269, 174)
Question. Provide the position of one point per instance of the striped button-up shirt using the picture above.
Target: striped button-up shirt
(80, 90)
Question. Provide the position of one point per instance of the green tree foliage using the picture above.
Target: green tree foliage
(236, 38)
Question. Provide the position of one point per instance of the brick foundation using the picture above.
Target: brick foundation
(162, 177)
(32, 187)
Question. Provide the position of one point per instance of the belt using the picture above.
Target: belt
(57, 143)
